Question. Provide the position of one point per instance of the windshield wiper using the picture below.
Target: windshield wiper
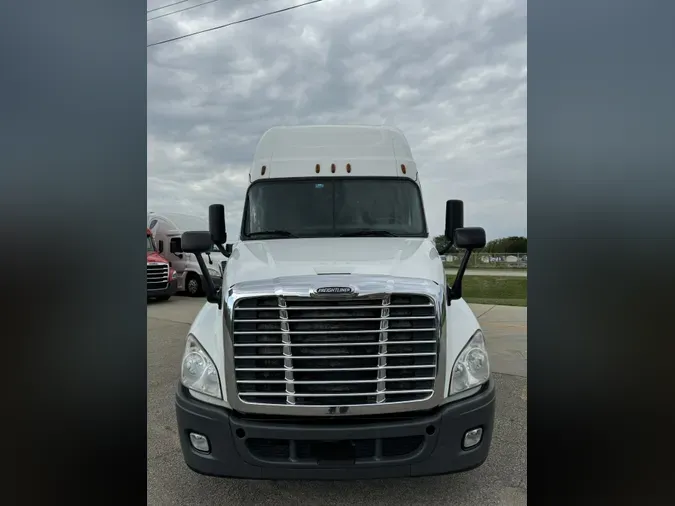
(369, 232)
(272, 233)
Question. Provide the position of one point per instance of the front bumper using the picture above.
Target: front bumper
(169, 290)
(420, 444)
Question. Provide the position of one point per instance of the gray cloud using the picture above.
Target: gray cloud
(452, 74)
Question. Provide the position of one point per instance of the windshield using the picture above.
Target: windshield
(150, 244)
(333, 208)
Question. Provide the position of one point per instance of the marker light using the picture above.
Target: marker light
(317, 168)
(262, 171)
(403, 168)
(332, 168)
(349, 168)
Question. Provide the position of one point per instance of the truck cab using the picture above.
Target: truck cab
(335, 347)
(161, 277)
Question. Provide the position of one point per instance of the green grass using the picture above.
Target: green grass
(481, 265)
(500, 290)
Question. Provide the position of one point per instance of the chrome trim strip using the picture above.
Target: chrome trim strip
(286, 340)
(382, 360)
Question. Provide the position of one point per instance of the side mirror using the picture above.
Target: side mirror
(466, 238)
(469, 238)
(228, 250)
(196, 242)
(217, 224)
(454, 218)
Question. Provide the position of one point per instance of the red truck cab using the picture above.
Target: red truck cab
(162, 282)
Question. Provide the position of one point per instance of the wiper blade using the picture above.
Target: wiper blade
(278, 233)
(369, 232)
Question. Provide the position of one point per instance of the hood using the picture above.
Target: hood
(156, 257)
(392, 256)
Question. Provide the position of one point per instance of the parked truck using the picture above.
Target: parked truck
(161, 277)
(335, 348)
(167, 229)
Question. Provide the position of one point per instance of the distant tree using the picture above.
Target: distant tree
(513, 244)
(442, 243)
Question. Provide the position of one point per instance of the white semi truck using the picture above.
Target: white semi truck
(335, 349)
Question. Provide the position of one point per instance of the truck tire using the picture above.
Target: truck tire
(193, 285)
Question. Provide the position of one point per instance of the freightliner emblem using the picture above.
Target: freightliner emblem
(334, 290)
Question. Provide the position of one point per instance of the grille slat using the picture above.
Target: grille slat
(308, 320)
(157, 276)
(297, 369)
(376, 331)
(333, 308)
(364, 343)
(326, 357)
(264, 382)
(304, 351)
(341, 394)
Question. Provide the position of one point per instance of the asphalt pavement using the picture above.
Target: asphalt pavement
(502, 480)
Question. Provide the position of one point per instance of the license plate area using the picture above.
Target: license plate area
(329, 452)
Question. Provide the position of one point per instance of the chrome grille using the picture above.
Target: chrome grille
(158, 276)
(322, 352)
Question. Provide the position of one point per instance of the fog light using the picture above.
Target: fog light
(200, 442)
(472, 438)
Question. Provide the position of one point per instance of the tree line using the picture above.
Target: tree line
(513, 244)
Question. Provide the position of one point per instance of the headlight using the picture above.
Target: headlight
(472, 367)
(214, 273)
(198, 371)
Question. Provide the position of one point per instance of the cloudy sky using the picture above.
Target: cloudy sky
(451, 74)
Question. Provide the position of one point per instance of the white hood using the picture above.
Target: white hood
(393, 256)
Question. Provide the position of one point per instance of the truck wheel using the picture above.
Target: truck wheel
(193, 286)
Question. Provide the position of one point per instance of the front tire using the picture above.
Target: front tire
(193, 285)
